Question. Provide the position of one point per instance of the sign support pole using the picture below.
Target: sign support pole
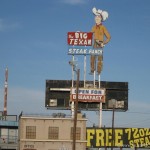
(94, 73)
(72, 103)
(84, 69)
(100, 106)
(72, 71)
(94, 78)
(76, 111)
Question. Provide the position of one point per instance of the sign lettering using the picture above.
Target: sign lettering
(88, 95)
(80, 38)
(84, 51)
(123, 137)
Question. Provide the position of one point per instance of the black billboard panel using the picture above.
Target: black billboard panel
(57, 95)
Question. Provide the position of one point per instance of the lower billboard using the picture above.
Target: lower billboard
(60, 94)
(118, 137)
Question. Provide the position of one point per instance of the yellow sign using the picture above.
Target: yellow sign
(118, 137)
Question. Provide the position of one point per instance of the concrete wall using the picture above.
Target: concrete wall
(64, 142)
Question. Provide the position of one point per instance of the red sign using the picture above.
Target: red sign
(80, 38)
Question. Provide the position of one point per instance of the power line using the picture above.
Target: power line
(139, 112)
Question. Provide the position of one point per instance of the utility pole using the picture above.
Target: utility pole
(76, 111)
(112, 144)
(5, 92)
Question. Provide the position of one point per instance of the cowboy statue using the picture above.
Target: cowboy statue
(101, 37)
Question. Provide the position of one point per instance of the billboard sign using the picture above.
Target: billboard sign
(80, 43)
(80, 38)
(118, 137)
(88, 95)
(58, 95)
(84, 51)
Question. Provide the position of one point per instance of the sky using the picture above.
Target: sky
(33, 45)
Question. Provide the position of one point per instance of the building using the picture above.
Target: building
(51, 132)
(8, 132)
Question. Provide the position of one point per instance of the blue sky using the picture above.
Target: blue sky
(33, 45)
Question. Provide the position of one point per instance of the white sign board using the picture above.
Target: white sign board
(88, 95)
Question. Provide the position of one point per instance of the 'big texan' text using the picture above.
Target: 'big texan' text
(80, 38)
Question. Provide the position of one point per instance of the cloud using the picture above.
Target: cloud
(32, 101)
(140, 106)
(6, 25)
(136, 116)
(23, 99)
(2, 26)
(74, 2)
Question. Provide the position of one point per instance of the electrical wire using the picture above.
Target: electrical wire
(129, 123)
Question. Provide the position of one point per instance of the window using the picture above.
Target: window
(53, 133)
(30, 132)
(78, 133)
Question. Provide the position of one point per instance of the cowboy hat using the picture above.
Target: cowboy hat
(103, 14)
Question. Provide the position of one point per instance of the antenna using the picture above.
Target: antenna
(5, 92)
